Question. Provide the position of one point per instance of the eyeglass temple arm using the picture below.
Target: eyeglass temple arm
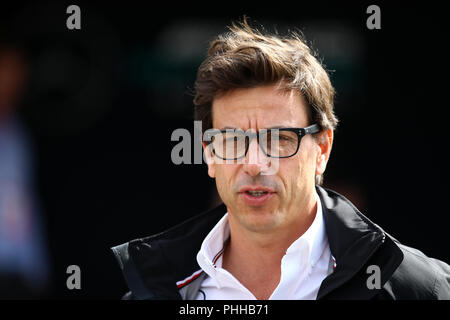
(314, 128)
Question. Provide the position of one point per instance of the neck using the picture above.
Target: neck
(254, 258)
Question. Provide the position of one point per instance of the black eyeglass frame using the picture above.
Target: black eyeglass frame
(301, 132)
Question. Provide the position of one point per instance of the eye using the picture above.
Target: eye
(283, 137)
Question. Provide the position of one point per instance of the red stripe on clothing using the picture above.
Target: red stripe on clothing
(189, 279)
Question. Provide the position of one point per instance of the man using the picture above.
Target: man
(266, 105)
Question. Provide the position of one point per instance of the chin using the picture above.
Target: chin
(259, 219)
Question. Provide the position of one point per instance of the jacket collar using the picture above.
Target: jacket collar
(165, 258)
(356, 243)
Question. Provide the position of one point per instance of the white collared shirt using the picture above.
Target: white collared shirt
(303, 268)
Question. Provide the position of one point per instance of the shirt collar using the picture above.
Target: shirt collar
(314, 237)
(213, 245)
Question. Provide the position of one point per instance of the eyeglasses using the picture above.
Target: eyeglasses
(233, 144)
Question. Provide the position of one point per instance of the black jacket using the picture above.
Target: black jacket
(152, 266)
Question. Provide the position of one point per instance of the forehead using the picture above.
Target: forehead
(260, 107)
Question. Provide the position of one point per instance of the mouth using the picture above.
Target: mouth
(256, 196)
(256, 193)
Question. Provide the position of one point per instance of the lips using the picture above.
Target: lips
(256, 195)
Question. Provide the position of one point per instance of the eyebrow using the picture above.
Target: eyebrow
(277, 127)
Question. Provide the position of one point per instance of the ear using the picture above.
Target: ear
(209, 159)
(325, 142)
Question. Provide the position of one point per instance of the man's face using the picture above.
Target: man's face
(286, 190)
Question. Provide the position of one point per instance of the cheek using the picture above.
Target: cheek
(298, 173)
(224, 180)
(289, 173)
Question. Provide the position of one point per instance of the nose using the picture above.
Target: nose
(256, 161)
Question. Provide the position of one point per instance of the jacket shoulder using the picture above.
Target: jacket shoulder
(419, 277)
(152, 265)
(122, 254)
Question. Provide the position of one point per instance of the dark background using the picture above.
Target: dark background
(101, 103)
